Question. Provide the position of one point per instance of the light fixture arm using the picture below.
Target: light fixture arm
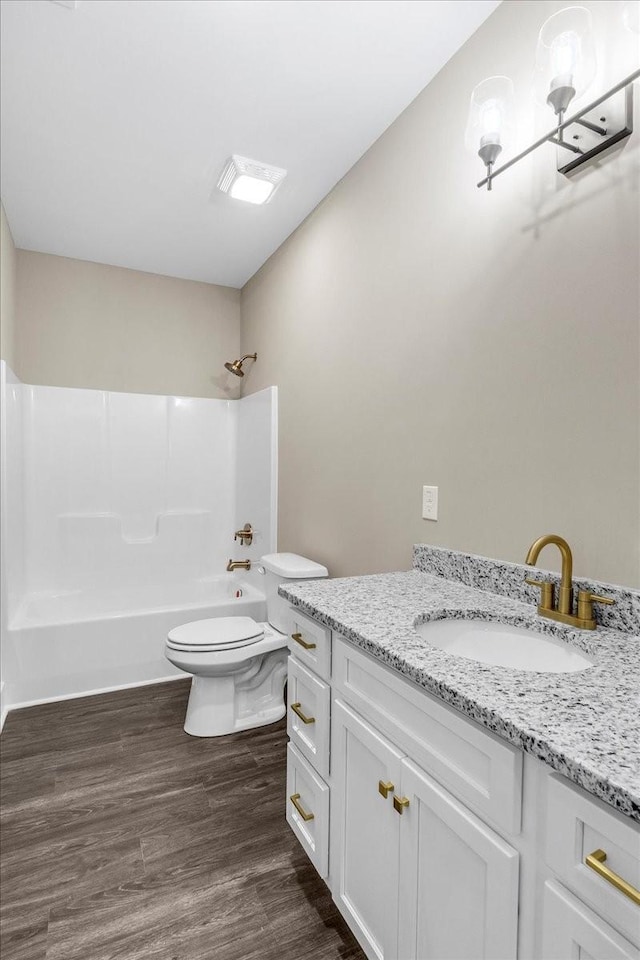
(555, 135)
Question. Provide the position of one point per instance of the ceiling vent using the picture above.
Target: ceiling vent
(250, 180)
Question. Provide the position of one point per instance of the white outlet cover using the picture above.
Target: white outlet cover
(429, 503)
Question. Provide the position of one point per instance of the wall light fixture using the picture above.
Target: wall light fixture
(490, 123)
(565, 67)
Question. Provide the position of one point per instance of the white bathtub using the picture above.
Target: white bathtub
(74, 644)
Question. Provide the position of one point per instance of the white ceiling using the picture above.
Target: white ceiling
(118, 116)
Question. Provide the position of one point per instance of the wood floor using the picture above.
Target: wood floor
(125, 839)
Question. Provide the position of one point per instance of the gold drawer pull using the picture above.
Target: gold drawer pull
(596, 861)
(385, 787)
(295, 800)
(399, 803)
(303, 643)
(298, 712)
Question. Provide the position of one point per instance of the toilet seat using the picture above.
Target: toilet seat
(217, 633)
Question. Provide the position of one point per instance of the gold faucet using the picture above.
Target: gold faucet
(585, 619)
(238, 565)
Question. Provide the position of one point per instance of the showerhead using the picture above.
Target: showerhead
(236, 366)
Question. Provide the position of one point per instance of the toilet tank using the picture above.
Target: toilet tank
(282, 567)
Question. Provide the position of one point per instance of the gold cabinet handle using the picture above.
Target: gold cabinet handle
(303, 643)
(399, 803)
(298, 712)
(295, 800)
(596, 861)
(385, 787)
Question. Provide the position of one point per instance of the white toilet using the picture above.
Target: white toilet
(239, 666)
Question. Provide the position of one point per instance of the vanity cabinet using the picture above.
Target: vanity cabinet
(437, 838)
(416, 874)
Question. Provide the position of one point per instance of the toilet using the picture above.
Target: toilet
(239, 666)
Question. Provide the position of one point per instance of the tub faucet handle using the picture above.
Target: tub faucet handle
(245, 536)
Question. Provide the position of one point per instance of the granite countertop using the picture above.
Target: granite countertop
(586, 725)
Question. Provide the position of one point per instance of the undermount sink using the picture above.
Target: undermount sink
(504, 645)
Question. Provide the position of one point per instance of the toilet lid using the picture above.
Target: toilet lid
(218, 633)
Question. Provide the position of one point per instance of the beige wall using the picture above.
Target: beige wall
(7, 293)
(425, 332)
(84, 324)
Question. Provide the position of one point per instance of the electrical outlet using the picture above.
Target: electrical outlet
(429, 503)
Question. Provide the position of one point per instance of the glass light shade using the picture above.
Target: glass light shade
(565, 57)
(491, 117)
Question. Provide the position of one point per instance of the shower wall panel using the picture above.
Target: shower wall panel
(11, 491)
(257, 476)
(125, 489)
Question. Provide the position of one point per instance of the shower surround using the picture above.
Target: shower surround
(118, 514)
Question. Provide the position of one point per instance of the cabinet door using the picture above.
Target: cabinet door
(365, 831)
(571, 931)
(458, 879)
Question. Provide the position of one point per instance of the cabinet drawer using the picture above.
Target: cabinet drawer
(477, 766)
(308, 809)
(570, 929)
(579, 825)
(310, 642)
(308, 715)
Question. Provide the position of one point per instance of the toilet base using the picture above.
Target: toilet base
(253, 697)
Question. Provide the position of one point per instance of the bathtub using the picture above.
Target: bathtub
(74, 644)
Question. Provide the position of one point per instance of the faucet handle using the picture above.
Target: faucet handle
(245, 536)
(546, 597)
(586, 599)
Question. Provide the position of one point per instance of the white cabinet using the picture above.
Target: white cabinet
(416, 874)
(475, 765)
(458, 879)
(571, 931)
(308, 727)
(365, 831)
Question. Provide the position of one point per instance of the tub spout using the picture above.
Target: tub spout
(238, 565)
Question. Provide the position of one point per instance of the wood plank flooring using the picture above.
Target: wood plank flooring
(125, 839)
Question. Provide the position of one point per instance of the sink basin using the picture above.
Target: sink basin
(504, 645)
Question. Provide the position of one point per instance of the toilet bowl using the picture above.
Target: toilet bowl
(239, 666)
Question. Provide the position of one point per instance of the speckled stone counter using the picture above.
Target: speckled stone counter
(586, 725)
